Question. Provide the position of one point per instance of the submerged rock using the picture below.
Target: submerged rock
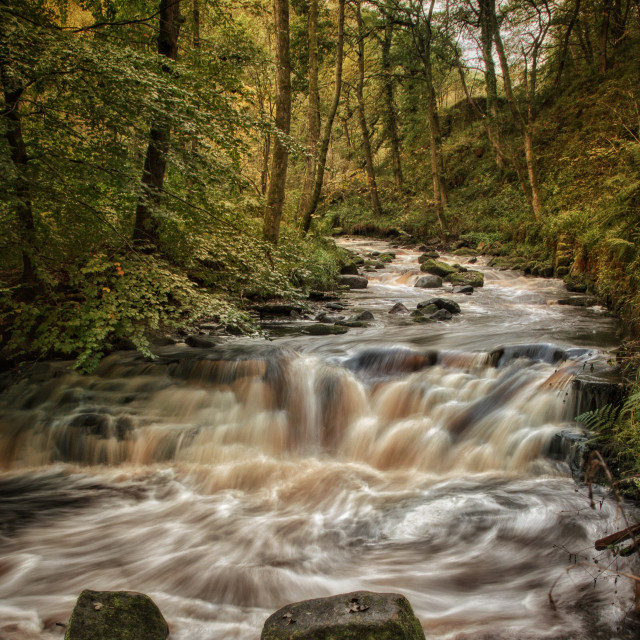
(354, 282)
(466, 289)
(116, 615)
(349, 616)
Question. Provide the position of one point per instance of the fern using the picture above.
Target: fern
(602, 420)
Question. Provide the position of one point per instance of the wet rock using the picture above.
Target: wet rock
(94, 424)
(359, 317)
(335, 306)
(387, 257)
(349, 616)
(442, 303)
(201, 342)
(428, 282)
(398, 307)
(324, 317)
(471, 278)
(421, 318)
(467, 289)
(428, 255)
(322, 295)
(294, 315)
(353, 324)
(437, 268)
(349, 269)
(472, 260)
(116, 615)
(578, 301)
(278, 309)
(354, 282)
(576, 287)
(427, 310)
(441, 314)
(325, 329)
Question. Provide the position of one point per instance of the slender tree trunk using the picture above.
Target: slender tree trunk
(264, 173)
(391, 121)
(366, 141)
(531, 191)
(565, 43)
(10, 114)
(604, 34)
(146, 225)
(487, 8)
(328, 125)
(24, 209)
(280, 157)
(313, 112)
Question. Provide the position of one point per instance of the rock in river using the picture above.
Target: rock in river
(442, 303)
(428, 282)
(115, 615)
(349, 616)
(354, 282)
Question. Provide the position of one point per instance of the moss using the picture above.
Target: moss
(473, 278)
(116, 615)
(437, 268)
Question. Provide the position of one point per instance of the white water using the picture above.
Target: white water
(227, 486)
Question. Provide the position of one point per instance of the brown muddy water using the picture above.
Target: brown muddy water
(406, 457)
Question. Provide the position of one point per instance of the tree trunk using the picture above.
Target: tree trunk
(391, 121)
(531, 191)
(12, 92)
(280, 157)
(24, 209)
(487, 9)
(565, 43)
(328, 125)
(366, 141)
(437, 161)
(313, 113)
(604, 34)
(146, 225)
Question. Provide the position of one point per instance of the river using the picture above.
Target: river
(405, 457)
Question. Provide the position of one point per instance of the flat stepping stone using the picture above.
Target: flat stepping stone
(350, 616)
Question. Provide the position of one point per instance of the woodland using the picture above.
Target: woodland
(169, 161)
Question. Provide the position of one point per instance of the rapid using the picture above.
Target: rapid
(227, 482)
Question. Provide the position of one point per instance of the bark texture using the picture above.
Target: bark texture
(280, 156)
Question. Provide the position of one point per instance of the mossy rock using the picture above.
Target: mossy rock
(387, 256)
(422, 319)
(353, 324)
(325, 329)
(562, 271)
(465, 251)
(428, 255)
(437, 268)
(472, 278)
(116, 615)
(361, 615)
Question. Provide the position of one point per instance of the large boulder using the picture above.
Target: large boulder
(428, 282)
(116, 615)
(360, 615)
(354, 282)
(437, 268)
